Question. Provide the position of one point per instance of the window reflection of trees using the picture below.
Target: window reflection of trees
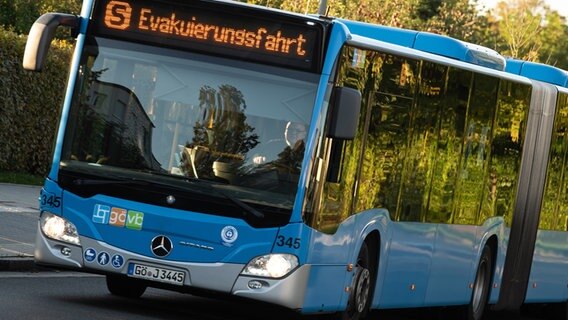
(222, 137)
(447, 167)
(222, 141)
(331, 203)
(442, 145)
(506, 149)
(554, 214)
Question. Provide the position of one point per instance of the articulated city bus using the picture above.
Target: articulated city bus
(214, 146)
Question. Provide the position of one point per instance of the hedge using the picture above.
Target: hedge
(30, 105)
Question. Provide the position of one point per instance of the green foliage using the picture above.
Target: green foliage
(553, 46)
(21, 178)
(19, 15)
(31, 105)
(65, 6)
(527, 30)
(428, 9)
(458, 19)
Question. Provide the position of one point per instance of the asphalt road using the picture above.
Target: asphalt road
(19, 212)
(17, 233)
(68, 295)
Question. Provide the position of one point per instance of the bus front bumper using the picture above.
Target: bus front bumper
(220, 277)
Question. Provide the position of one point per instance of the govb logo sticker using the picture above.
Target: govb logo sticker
(118, 217)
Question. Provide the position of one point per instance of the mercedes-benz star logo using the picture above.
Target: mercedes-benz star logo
(161, 246)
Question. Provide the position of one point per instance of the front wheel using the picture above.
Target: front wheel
(124, 287)
(482, 285)
(361, 291)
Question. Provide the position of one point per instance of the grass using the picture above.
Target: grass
(21, 178)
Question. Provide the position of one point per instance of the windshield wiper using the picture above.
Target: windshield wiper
(92, 182)
(239, 203)
(133, 181)
(210, 186)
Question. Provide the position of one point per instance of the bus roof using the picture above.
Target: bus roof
(430, 42)
(538, 71)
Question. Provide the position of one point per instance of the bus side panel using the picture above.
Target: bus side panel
(330, 255)
(549, 272)
(502, 234)
(325, 288)
(453, 266)
(408, 265)
(433, 264)
(456, 256)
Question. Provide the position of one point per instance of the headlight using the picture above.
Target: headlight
(58, 228)
(271, 265)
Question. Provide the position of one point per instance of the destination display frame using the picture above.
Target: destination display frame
(218, 28)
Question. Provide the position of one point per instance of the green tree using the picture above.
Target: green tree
(19, 15)
(30, 105)
(266, 3)
(427, 9)
(553, 46)
(64, 6)
(387, 12)
(529, 30)
(519, 24)
(459, 19)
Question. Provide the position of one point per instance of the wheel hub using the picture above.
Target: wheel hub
(362, 286)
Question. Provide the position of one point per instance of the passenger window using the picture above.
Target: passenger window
(554, 214)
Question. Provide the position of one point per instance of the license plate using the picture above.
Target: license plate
(156, 274)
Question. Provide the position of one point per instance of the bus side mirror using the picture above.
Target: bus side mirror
(343, 124)
(40, 37)
(345, 113)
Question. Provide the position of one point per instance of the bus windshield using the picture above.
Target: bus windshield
(169, 114)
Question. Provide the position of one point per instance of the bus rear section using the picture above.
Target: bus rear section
(547, 281)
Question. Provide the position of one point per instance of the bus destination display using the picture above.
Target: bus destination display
(295, 44)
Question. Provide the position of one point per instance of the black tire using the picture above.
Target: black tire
(481, 286)
(124, 287)
(361, 294)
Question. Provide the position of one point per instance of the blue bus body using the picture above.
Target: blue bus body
(537, 71)
(431, 43)
(548, 263)
(415, 262)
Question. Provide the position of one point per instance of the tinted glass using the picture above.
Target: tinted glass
(145, 109)
(554, 214)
